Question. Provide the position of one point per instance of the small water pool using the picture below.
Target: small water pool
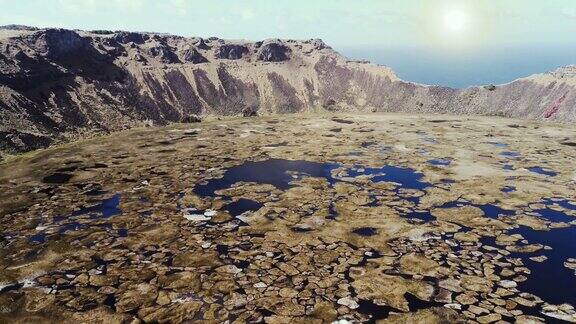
(542, 171)
(77, 220)
(274, 172)
(510, 154)
(439, 162)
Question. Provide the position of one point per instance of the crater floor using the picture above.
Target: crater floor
(310, 218)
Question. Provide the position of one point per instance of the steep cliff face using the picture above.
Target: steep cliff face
(58, 84)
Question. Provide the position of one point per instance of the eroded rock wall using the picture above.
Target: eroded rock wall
(58, 84)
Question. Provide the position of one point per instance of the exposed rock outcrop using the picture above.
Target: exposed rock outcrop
(58, 84)
(273, 51)
(192, 55)
(231, 51)
(59, 43)
(129, 37)
(164, 53)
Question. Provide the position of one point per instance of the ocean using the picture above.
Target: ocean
(496, 65)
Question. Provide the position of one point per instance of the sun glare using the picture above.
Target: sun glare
(455, 25)
(455, 20)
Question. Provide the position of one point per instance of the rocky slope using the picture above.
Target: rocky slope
(58, 84)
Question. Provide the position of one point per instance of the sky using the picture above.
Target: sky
(448, 42)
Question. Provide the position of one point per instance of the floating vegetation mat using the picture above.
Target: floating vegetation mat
(309, 218)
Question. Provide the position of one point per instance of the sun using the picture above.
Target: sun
(455, 26)
(455, 20)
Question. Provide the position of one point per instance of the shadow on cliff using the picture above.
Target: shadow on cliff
(49, 80)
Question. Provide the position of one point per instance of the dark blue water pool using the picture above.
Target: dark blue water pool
(365, 231)
(508, 189)
(555, 215)
(550, 280)
(241, 206)
(277, 173)
(499, 144)
(440, 162)
(280, 173)
(490, 210)
(406, 177)
(493, 211)
(543, 171)
(274, 172)
(508, 167)
(561, 202)
(425, 216)
(105, 209)
(38, 238)
(430, 140)
(510, 154)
